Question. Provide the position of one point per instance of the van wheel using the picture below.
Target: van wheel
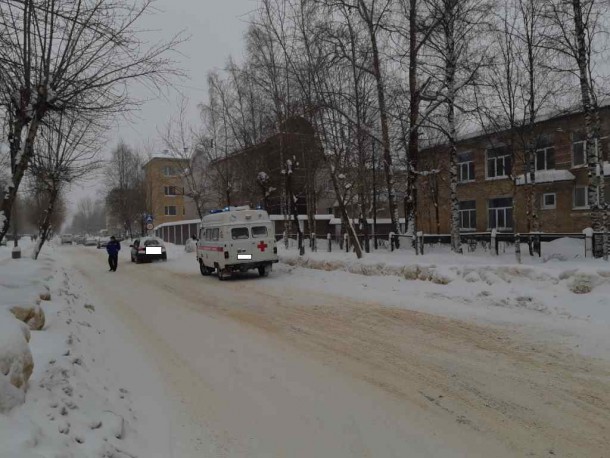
(263, 271)
(203, 269)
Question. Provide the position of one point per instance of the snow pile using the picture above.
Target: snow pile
(81, 401)
(16, 362)
(22, 285)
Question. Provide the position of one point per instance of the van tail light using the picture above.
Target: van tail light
(226, 255)
(142, 249)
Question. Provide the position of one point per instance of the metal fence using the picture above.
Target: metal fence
(492, 242)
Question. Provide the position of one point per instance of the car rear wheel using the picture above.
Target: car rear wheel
(138, 260)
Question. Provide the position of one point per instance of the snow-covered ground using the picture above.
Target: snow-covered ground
(560, 297)
(90, 394)
(391, 355)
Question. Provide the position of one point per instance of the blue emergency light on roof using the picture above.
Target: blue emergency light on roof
(212, 212)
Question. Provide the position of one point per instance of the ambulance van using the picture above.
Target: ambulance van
(236, 239)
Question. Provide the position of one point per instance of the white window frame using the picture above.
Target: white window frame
(495, 159)
(167, 212)
(465, 166)
(544, 206)
(586, 206)
(546, 158)
(167, 188)
(473, 210)
(584, 149)
(508, 222)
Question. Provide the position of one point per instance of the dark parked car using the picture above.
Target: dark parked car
(147, 249)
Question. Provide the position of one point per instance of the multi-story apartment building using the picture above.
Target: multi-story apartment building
(165, 191)
(494, 188)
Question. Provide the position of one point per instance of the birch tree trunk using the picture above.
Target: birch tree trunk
(450, 70)
(582, 60)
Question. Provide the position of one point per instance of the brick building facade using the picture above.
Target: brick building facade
(494, 188)
(164, 190)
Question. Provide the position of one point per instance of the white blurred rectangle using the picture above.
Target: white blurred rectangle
(153, 250)
(244, 256)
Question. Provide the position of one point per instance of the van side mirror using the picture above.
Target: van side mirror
(131, 246)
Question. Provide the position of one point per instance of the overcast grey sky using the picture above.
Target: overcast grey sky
(216, 29)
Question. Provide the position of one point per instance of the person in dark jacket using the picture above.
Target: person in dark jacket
(113, 249)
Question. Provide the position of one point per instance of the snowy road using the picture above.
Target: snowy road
(257, 369)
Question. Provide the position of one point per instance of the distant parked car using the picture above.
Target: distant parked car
(147, 249)
(90, 241)
(79, 239)
(102, 242)
(67, 239)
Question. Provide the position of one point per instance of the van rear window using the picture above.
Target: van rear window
(259, 232)
(239, 233)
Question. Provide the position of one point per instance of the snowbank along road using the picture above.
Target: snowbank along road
(257, 369)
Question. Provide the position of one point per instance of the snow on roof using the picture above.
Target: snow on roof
(548, 176)
(549, 115)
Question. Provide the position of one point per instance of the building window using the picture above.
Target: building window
(579, 149)
(170, 191)
(581, 198)
(500, 213)
(545, 158)
(169, 171)
(465, 167)
(549, 201)
(170, 210)
(468, 215)
(499, 162)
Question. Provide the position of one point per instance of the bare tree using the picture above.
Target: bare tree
(578, 34)
(458, 60)
(182, 143)
(125, 185)
(66, 153)
(73, 56)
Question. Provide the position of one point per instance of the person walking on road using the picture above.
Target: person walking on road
(113, 249)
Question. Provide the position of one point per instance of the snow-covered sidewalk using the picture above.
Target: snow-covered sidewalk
(91, 394)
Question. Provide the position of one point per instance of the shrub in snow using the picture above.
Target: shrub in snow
(32, 315)
(16, 363)
(582, 284)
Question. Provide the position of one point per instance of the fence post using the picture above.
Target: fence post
(588, 232)
(285, 237)
(346, 242)
(419, 240)
(314, 242)
(494, 241)
(518, 247)
(300, 243)
(330, 242)
(391, 240)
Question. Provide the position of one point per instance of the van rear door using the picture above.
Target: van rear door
(239, 245)
(263, 241)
